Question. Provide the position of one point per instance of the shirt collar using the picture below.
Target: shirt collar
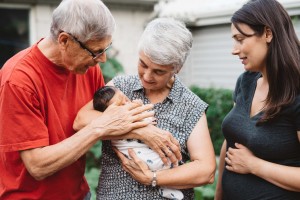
(174, 94)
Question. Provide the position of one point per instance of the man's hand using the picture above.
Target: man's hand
(161, 142)
(118, 120)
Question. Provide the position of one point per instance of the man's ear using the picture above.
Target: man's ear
(268, 34)
(63, 40)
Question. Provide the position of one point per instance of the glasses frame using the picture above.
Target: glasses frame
(95, 56)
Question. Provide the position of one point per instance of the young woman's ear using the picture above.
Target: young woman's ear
(268, 34)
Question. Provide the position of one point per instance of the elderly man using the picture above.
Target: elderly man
(42, 89)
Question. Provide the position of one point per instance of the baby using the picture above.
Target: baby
(104, 97)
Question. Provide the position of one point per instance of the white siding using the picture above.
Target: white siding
(296, 21)
(130, 25)
(210, 63)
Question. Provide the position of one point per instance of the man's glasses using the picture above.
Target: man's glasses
(95, 56)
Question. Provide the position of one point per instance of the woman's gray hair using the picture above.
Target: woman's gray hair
(166, 41)
(84, 19)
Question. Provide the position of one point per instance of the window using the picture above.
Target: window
(14, 32)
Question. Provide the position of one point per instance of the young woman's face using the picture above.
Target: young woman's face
(154, 76)
(252, 50)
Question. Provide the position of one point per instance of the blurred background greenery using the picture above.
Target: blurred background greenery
(220, 102)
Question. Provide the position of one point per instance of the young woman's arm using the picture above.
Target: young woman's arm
(241, 160)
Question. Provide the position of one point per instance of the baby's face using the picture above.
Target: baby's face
(119, 97)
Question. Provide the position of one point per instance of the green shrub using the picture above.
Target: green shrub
(92, 168)
(220, 103)
(111, 68)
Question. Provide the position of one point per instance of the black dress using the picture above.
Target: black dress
(275, 141)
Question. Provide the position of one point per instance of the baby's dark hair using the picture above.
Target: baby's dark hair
(102, 96)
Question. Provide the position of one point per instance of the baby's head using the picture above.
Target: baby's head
(107, 95)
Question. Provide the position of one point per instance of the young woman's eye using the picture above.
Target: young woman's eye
(239, 39)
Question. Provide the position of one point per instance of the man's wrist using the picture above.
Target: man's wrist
(96, 130)
(136, 134)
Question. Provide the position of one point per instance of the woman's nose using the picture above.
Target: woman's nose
(235, 50)
(147, 75)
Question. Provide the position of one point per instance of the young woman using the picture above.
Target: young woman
(260, 158)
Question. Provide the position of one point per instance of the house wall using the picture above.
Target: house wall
(130, 25)
(211, 63)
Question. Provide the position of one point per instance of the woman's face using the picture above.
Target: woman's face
(252, 50)
(154, 76)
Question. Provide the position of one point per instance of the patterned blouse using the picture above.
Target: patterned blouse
(178, 114)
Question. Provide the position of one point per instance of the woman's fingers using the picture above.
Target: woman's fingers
(168, 151)
(120, 155)
(174, 146)
(137, 164)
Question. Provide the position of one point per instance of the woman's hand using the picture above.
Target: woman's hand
(162, 142)
(240, 160)
(138, 169)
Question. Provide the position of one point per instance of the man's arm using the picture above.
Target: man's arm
(116, 120)
(159, 140)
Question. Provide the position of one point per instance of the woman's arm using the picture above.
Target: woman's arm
(199, 171)
(242, 160)
(218, 192)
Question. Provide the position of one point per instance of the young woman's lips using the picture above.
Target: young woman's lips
(244, 61)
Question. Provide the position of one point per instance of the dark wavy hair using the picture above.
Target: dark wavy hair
(283, 57)
(102, 96)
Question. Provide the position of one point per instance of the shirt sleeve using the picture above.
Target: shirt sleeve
(22, 125)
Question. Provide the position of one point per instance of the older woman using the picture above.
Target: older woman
(163, 49)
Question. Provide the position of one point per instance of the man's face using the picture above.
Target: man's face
(78, 56)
